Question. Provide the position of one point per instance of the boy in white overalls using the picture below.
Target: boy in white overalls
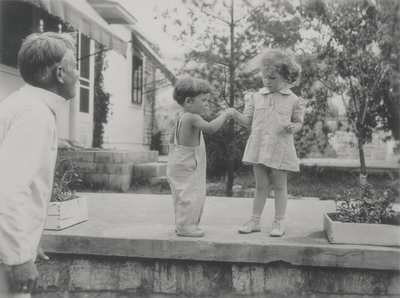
(186, 168)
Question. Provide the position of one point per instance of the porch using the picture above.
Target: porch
(128, 248)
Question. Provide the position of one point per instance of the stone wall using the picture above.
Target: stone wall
(345, 146)
(91, 276)
(111, 169)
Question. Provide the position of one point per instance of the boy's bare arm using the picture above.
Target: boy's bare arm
(211, 126)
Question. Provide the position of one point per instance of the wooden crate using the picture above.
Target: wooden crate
(61, 215)
(361, 233)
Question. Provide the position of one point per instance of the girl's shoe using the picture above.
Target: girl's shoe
(250, 227)
(278, 229)
(196, 233)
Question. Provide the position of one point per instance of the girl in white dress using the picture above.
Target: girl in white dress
(274, 113)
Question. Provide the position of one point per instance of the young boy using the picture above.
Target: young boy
(186, 168)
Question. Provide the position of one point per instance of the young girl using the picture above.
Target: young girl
(186, 168)
(274, 114)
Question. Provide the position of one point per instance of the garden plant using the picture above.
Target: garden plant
(66, 176)
(367, 207)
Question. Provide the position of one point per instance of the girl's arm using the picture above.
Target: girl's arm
(293, 128)
(246, 119)
(297, 126)
(298, 115)
(242, 119)
(211, 126)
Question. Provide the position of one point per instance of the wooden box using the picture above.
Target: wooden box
(361, 233)
(61, 215)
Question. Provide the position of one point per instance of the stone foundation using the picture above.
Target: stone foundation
(126, 277)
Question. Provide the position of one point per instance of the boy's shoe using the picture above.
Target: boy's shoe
(196, 233)
(278, 229)
(250, 227)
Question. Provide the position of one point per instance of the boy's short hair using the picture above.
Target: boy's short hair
(40, 53)
(189, 87)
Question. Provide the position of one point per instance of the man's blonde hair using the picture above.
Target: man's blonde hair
(40, 53)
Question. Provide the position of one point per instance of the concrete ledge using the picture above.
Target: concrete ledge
(351, 164)
(128, 248)
(142, 226)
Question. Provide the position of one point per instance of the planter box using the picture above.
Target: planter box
(61, 215)
(361, 233)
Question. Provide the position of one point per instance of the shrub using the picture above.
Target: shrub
(369, 207)
(66, 176)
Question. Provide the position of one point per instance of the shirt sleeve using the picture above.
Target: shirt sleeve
(26, 146)
(299, 110)
(249, 105)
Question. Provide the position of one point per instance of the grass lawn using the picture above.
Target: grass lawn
(309, 182)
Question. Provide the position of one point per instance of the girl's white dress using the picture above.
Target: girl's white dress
(186, 173)
(268, 143)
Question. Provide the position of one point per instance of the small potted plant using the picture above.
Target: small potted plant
(366, 219)
(66, 207)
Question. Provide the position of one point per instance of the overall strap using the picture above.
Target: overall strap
(178, 128)
(201, 138)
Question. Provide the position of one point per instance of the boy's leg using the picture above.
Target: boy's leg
(175, 200)
(190, 204)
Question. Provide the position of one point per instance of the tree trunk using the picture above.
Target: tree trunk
(231, 128)
(230, 159)
(363, 173)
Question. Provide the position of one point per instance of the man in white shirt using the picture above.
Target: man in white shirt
(28, 151)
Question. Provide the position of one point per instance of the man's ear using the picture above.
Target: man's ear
(188, 100)
(58, 74)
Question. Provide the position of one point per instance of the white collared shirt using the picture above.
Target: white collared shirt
(28, 152)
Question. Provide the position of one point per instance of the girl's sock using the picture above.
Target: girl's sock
(255, 218)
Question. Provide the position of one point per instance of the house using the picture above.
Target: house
(134, 76)
(132, 123)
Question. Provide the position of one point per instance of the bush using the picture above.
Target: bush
(66, 176)
(368, 207)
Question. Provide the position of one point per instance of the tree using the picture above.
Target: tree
(221, 36)
(358, 55)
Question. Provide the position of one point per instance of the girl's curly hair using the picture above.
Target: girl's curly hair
(281, 60)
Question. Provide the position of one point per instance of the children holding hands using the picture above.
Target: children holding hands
(186, 168)
(274, 113)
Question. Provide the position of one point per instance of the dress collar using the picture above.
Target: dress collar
(52, 100)
(286, 91)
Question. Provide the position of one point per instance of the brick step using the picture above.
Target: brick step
(114, 156)
(155, 180)
(150, 169)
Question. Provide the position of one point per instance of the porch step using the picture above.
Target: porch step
(155, 180)
(150, 169)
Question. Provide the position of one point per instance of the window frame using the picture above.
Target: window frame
(137, 79)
